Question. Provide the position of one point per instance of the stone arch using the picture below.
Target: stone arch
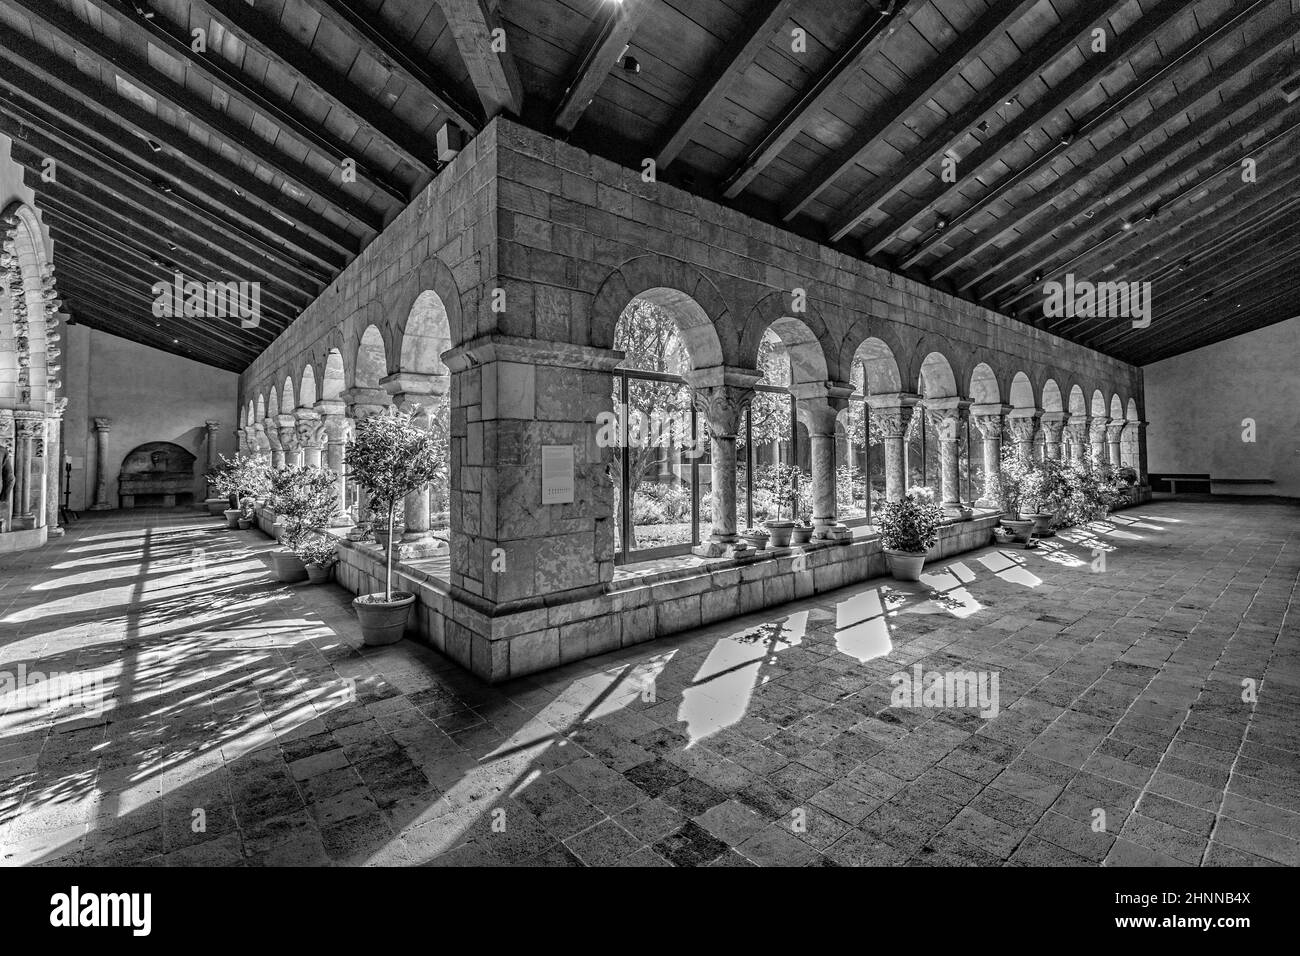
(425, 334)
(1116, 408)
(307, 394)
(259, 411)
(371, 363)
(334, 378)
(928, 345)
(874, 368)
(431, 285)
(802, 348)
(1131, 411)
(935, 377)
(802, 333)
(1021, 395)
(273, 405)
(1097, 408)
(21, 229)
(698, 308)
(1078, 404)
(984, 385)
(1052, 401)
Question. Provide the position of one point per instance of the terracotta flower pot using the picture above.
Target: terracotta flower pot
(801, 534)
(232, 518)
(288, 567)
(245, 524)
(1042, 522)
(905, 565)
(780, 532)
(317, 574)
(757, 541)
(216, 505)
(383, 622)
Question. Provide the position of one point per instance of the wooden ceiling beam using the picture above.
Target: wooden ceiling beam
(1205, 89)
(733, 60)
(1285, 306)
(1018, 266)
(95, 48)
(35, 60)
(358, 26)
(176, 40)
(1055, 44)
(85, 285)
(123, 232)
(95, 317)
(113, 193)
(996, 20)
(257, 31)
(602, 55)
(1055, 104)
(873, 31)
(98, 137)
(129, 188)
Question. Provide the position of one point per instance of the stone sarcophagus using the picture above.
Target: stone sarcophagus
(157, 473)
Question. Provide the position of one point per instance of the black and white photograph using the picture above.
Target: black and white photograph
(651, 434)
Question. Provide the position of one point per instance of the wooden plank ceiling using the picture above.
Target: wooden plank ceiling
(835, 118)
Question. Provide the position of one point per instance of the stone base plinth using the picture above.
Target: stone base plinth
(22, 539)
(498, 648)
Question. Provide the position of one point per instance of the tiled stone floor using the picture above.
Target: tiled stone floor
(245, 726)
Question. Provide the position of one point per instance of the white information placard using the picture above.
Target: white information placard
(557, 474)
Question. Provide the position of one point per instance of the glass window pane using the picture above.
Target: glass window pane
(659, 459)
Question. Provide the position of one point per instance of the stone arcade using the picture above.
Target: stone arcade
(526, 352)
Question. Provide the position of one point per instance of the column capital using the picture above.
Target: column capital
(1023, 426)
(819, 403)
(103, 424)
(414, 386)
(1115, 430)
(989, 417)
(308, 428)
(893, 411)
(212, 426)
(722, 393)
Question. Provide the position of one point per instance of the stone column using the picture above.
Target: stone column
(1076, 436)
(988, 419)
(257, 444)
(818, 405)
(287, 426)
(1114, 435)
(1053, 424)
(947, 423)
(102, 426)
(1097, 441)
(722, 395)
(54, 465)
(31, 430)
(893, 412)
(414, 393)
(8, 443)
(310, 433)
(336, 426)
(1140, 442)
(271, 430)
(211, 446)
(1023, 426)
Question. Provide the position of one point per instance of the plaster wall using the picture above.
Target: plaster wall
(1198, 404)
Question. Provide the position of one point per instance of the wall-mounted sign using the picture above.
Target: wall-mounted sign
(557, 474)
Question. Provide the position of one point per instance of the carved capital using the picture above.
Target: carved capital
(103, 424)
(723, 406)
(1023, 427)
(1053, 425)
(1115, 431)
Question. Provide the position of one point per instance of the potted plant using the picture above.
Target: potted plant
(802, 532)
(779, 528)
(320, 553)
(239, 478)
(247, 513)
(390, 458)
(1003, 535)
(304, 500)
(756, 538)
(1020, 485)
(908, 529)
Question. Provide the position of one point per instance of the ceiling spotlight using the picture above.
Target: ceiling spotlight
(141, 9)
(1126, 225)
(941, 223)
(1038, 277)
(1184, 264)
(1206, 297)
(1067, 138)
(162, 185)
(1012, 100)
(155, 146)
(630, 64)
(983, 126)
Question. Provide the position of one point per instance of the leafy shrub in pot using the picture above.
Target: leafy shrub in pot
(390, 458)
(908, 529)
(304, 500)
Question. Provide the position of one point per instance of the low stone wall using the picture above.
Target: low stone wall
(23, 540)
(634, 610)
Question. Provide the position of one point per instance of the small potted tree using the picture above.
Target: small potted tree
(390, 458)
(319, 553)
(304, 500)
(224, 480)
(784, 492)
(1020, 488)
(908, 529)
